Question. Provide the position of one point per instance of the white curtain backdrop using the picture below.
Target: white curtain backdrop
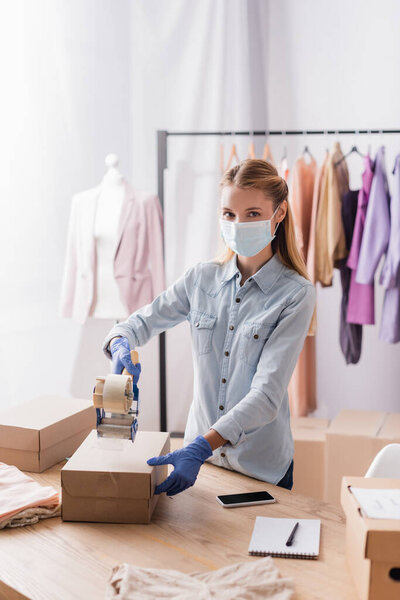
(65, 104)
(82, 78)
(223, 44)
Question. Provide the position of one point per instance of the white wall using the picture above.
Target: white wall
(64, 105)
(336, 65)
(81, 79)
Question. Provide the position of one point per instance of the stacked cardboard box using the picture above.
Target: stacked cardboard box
(40, 433)
(372, 545)
(109, 480)
(350, 447)
(325, 452)
(309, 455)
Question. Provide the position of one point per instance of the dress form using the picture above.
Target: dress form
(107, 303)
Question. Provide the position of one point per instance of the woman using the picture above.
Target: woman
(249, 314)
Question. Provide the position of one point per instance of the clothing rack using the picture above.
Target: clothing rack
(162, 163)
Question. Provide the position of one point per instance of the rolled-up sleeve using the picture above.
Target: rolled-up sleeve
(169, 308)
(261, 404)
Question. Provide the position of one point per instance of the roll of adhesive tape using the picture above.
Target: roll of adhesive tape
(114, 398)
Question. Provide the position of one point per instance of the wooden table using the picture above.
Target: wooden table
(189, 532)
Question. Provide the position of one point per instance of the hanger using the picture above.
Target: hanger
(233, 154)
(267, 154)
(394, 166)
(284, 146)
(353, 149)
(306, 150)
(326, 139)
(252, 150)
(221, 158)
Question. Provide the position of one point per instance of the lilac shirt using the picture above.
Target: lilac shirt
(375, 238)
(360, 309)
(390, 275)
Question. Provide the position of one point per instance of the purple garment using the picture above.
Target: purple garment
(361, 306)
(350, 333)
(390, 274)
(377, 223)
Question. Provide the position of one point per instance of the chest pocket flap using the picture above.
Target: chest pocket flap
(253, 337)
(203, 326)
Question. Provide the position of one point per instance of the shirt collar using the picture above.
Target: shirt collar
(265, 276)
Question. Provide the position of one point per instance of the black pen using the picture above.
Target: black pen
(291, 536)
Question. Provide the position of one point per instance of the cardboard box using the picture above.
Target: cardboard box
(372, 545)
(309, 455)
(389, 433)
(38, 434)
(109, 480)
(350, 448)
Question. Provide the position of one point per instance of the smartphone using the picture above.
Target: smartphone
(247, 499)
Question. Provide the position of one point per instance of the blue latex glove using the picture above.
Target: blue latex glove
(187, 462)
(121, 358)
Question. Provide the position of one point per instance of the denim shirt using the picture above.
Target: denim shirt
(246, 341)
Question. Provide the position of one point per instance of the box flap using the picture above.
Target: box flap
(42, 422)
(381, 536)
(309, 434)
(18, 438)
(357, 422)
(308, 423)
(114, 468)
(390, 428)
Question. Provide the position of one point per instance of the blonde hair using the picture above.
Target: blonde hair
(261, 175)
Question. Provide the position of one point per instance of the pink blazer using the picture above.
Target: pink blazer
(138, 261)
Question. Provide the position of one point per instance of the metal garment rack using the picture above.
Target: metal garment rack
(162, 163)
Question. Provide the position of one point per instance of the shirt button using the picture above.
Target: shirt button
(223, 454)
(256, 337)
(221, 407)
(226, 353)
(223, 380)
(197, 324)
(237, 299)
(231, 327)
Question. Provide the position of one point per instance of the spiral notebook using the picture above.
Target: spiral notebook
(270, 536)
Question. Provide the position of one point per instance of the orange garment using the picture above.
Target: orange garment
(330, 243)
(302, 386)
(23, 498)
(318, 183)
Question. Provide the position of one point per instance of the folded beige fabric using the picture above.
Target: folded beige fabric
(23, 501)
(254, 580)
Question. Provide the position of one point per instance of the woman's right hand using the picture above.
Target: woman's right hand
(121, 358)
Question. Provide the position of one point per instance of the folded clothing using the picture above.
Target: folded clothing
(253, 580)
(23, 501)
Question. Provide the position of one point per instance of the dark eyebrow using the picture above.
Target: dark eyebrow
(253, 208)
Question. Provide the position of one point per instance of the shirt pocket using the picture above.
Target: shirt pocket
(202, 326)
(252, 339)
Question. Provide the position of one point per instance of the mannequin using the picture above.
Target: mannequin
(107, 303)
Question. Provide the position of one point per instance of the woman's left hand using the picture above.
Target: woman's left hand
(187, 462)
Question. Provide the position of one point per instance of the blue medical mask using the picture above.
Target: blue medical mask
(249, 238)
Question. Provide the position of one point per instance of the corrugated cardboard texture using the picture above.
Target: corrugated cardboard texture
(372, 545)
(110, 481)
(42, 422)
(350, 447)
(309, 455)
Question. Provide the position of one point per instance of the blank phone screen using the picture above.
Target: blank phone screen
(248, 497)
